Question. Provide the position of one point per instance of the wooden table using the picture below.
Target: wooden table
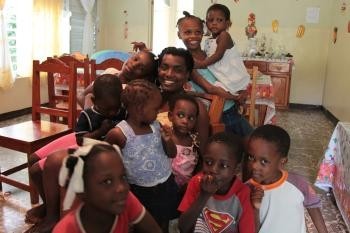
(280, 72)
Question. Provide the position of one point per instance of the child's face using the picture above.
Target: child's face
(183, 117)
(172, 73)
(216, 22)
(137, 66)
(107, 107)
(106, 188)
(219, 162)
(264, 161)
(151, 107)
(191, 33)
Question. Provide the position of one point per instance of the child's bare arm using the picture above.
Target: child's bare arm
(116, 136)
(147, 225)
(202, 125)
(168, 143)
(210, 88)
(256, 196)
(224, 42)
(317, 219)
(81, 97)
(188, 219)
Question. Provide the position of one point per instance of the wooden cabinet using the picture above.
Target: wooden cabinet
(280, 73)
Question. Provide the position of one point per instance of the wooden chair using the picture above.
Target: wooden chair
(251, 107)
(29, 136)
(215, 110)
(109, 63)
(59, 99)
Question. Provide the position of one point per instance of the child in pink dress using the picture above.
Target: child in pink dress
(183, 113)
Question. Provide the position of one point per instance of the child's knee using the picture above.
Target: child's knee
(33, 158)
(35, 170)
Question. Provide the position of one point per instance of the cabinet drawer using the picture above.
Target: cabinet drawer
(260, 64)
(278, 67)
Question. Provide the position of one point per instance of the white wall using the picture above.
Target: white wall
(337, 84)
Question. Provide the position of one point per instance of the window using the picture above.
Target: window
(11, 31)
(77, 25)
(166, 13)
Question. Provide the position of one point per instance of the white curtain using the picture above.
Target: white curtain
(6, 76)
(88, 41)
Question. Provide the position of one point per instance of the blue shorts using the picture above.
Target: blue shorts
(236, 123)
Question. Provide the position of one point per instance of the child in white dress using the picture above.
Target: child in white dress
(223, 58)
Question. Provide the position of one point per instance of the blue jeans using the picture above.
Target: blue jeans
(236, 123)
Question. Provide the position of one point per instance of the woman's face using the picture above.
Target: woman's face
(172, 73)
(191, 33)
(137, 66)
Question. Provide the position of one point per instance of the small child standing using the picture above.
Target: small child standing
(183, 113)
(278, 196)
(215, 199)
(147, 148)
(94, 122)
(97, 174)
(223, 60)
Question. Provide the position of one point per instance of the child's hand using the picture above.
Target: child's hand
(106, 126)
(209, 184)
(138, 46)
(256, 195)
(198, 64)
(166, 132)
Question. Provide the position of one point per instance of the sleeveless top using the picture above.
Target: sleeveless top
(144, 158)
(229, 70)
(184, 163)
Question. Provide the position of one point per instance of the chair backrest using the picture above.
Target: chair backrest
(215, 110)
(79, 64)
(253, 75)
(109, 63)
(46, 69)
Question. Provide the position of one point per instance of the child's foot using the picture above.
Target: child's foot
(35, 214)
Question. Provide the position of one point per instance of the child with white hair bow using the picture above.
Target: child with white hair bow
(96, 173)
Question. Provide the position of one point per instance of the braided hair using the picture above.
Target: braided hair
(138, 92)
(189, 16)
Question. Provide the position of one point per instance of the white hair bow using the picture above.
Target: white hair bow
(76, 182)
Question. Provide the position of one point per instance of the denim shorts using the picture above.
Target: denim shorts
(236, 123)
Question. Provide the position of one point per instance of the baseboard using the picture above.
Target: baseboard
(13, 114)
(330, 116)
(305, 106)
(327, 113)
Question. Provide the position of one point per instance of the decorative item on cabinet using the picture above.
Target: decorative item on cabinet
(280, 72)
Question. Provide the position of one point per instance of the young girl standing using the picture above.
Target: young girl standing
(98, 175)
(183, 113)
(223, 60)
(147, 148)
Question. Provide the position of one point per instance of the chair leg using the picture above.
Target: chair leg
(34, 195)
(0, 181)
